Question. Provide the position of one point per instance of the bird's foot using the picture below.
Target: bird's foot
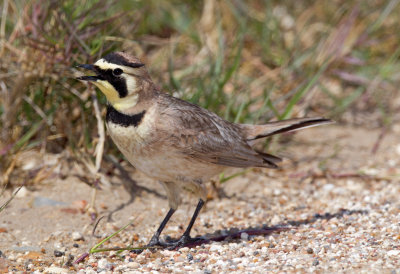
(153, 243)
(184, 241)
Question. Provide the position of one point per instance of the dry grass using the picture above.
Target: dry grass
(247, 61)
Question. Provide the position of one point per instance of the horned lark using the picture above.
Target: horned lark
(173, 141)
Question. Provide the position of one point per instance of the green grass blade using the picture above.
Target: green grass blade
(10, 199)
(27, 136)
(95, 249)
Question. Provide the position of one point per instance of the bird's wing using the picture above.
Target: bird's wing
(205, 136)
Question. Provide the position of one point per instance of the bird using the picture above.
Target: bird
(173, 141)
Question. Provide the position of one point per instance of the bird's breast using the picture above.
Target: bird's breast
(132, 138)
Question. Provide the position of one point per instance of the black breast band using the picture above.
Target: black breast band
(122, 119)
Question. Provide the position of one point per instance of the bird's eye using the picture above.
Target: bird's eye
(117, 71)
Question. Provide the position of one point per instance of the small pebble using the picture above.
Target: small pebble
(77, 236)
(55, 270)
(58, 253)
(189, 256)
(133, 265)
(310, 250)
(22, 193)
(23, 249)
(393, 253)
(102, 263)
(215, 248)
(275, 220)
(44, 201)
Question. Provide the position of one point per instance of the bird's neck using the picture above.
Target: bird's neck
(126, 103)
(125, 120)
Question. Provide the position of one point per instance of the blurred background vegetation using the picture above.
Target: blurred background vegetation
(249, 61)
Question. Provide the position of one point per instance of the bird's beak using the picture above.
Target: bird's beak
(91, 77)
(86, 66)
(88, 78)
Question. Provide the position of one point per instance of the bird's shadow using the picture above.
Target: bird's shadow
(234, 233)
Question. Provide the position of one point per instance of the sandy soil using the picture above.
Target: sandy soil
(333, 206)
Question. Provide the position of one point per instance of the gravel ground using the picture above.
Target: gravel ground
(333, 207)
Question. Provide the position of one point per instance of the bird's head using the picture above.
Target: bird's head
(120, 77)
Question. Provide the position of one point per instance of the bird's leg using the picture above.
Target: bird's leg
(186, 234)
(155, 240)
(185, 238)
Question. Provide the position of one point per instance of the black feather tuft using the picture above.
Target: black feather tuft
(118, 59)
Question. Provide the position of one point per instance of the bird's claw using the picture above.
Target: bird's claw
(153, 243)
(183, 242)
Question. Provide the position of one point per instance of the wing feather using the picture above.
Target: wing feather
(205, 136)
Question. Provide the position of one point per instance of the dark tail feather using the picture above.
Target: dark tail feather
(254, 132)
(269, 159)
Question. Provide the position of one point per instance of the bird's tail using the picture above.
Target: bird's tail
(254, 132)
